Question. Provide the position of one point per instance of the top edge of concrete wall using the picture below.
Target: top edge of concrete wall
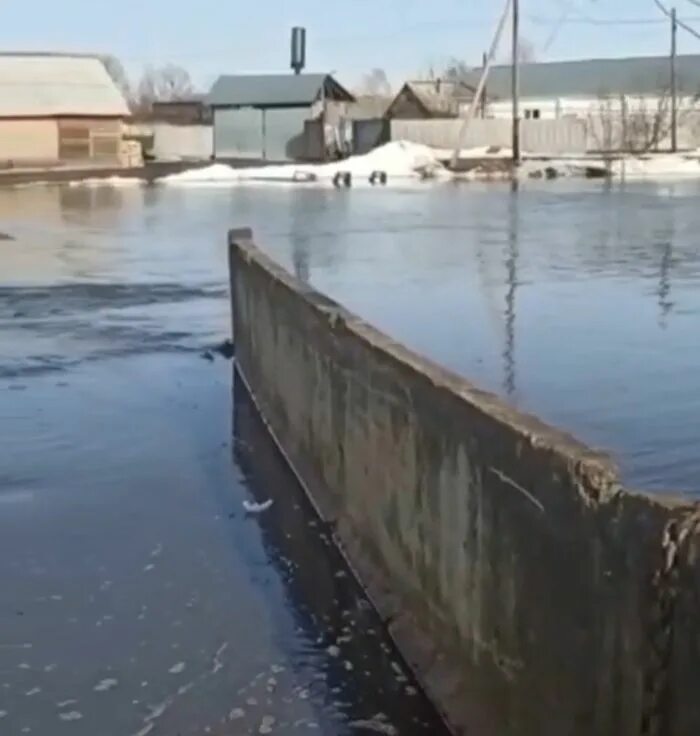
(600, 478)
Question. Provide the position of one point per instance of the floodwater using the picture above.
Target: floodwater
(136, 595)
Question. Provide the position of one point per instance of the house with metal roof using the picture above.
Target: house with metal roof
(275, 117)
(575, 88)
(59, 109)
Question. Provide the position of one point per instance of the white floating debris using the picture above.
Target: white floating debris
(66, 703)
(236, 714)
(334, 651)
(3, 714)
(73, 715)
(267, 724)
(177, 669)
(33, 691)
(257, 508)
(106, 685)
(378, 724)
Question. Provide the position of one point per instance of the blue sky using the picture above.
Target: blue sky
(405, 37)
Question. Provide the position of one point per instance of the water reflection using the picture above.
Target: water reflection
(546, 295)
(511, 266)
(361, 674)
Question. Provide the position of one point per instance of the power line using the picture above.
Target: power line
(681, 24)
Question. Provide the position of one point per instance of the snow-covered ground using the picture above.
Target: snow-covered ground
(403, 162)
(398, 160)
(658, 166)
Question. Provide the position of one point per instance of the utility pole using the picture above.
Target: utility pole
(516, 83)
(484, 94)
(674, 85)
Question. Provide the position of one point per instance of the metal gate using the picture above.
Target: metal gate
(238, 133)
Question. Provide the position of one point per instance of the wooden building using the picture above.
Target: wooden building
(59, 109)
(434, 98)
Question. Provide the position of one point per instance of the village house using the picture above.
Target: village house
(59, 109)
(434, 98)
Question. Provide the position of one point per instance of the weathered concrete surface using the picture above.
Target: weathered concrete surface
(515, 571)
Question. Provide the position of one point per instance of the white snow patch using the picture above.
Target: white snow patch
(657, 166)
(110, 181)
(398, 160)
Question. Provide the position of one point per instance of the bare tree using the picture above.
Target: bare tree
(163, 84)
(376, 83)
(618, 127)
(116, 71)
(457, 71)
(527, 53)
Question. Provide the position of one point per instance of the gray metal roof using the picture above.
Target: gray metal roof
(594, 77)
(269, 90)
(48, 85)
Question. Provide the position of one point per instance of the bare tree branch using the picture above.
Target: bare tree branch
(164, 84)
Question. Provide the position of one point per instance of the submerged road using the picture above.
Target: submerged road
(137, 596)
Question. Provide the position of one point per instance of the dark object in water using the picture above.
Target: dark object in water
(207, 355)
(5, 236)
(342, 179)
(597, 172)
(225, 349)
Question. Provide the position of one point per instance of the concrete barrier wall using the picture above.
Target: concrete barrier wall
(530, 591)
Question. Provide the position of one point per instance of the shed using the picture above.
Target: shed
(58, 109)
(435, 98)
(266, 116)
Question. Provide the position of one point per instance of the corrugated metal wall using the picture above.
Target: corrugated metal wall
(537, 136)
(274, 134)
(284, 133)
(28, 142)
(238, 133)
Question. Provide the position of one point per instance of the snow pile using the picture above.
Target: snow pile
(398, 160)
(480, 152)
(110, 181)
(660, 166)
